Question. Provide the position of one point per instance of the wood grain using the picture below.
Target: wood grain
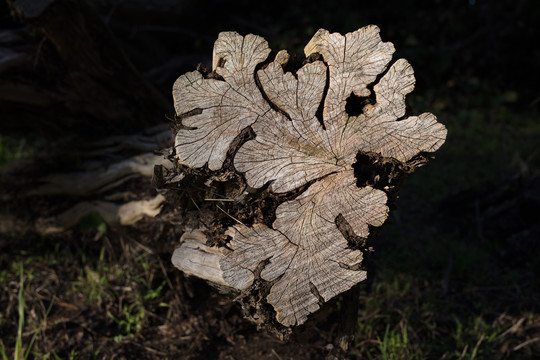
(303, 254)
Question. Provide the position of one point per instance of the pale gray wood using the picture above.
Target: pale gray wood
(291, 151)
(308, 256)
(226, 107)
(354, 61)
(87, 182)
(113, 214)
(303, 254)
(376, 130)
(193, 257)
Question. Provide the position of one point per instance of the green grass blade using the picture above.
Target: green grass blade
(3, 351)
(18, 342)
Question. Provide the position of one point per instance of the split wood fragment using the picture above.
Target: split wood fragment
(122, 214)
(99, 180)
(303, 255)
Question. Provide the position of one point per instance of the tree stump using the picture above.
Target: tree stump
(285, 166)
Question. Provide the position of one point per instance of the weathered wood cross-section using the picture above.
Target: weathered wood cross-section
(303, 142)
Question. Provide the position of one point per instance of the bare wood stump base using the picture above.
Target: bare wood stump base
(283, 173)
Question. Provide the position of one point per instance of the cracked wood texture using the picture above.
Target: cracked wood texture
(303, 255)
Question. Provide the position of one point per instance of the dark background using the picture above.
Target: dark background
(458, 261)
